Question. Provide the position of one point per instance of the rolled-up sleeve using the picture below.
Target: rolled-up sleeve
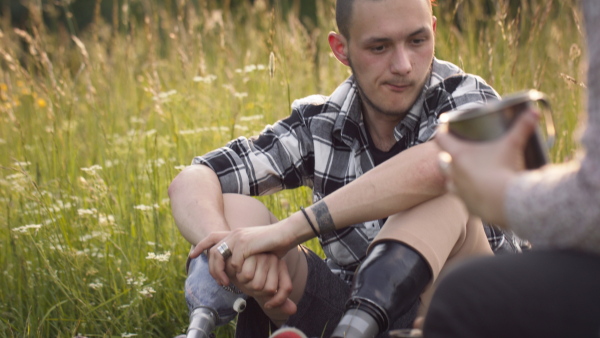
(278, 158)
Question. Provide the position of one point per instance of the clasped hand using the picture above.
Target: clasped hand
(260, 273)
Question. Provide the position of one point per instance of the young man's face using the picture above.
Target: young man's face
(390, 51)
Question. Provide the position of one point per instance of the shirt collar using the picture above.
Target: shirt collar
(349, 119)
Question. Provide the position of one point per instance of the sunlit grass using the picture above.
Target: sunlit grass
(94, 128)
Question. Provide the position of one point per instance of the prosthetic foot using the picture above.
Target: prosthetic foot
(210, 304)
(386, 286)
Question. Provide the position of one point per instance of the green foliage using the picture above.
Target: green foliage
(94, 128)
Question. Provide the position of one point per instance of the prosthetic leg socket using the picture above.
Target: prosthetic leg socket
(386, 285)
(210, 304)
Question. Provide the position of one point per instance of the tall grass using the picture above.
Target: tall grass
(93, 128)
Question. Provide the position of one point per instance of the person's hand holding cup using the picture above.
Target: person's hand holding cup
(483, 148)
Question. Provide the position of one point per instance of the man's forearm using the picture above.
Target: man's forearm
(402, 182)
(197, 203)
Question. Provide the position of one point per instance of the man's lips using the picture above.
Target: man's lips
(398, 87)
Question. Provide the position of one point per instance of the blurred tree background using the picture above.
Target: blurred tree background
(76, 15)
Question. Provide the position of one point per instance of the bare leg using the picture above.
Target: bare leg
(243, 211)
(441, 230)
(433, 233)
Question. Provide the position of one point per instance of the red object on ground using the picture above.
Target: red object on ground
(288, 332)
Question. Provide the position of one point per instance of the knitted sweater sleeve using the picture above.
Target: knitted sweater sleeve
(559, 206)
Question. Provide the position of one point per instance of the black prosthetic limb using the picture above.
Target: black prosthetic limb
(385, 286)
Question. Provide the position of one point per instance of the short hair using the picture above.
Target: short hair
(343, 14)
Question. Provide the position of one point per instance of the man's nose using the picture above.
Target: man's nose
(400, 63)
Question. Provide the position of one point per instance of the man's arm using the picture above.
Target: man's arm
(264, 164)
(404, 181)
(198, 208)
(197, 203)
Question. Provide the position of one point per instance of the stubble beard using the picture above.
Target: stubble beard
(377, 108)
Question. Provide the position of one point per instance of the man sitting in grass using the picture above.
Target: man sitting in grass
(393, 238)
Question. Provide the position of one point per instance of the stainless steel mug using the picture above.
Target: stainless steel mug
(488, 122)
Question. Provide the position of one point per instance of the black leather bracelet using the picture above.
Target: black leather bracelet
(312, 226)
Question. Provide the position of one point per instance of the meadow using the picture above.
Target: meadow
(95, 124)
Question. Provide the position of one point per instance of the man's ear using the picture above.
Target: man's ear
(339, 47)
(434, 23)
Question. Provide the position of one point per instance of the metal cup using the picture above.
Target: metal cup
(491, 121)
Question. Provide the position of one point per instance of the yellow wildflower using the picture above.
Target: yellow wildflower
(42, 103)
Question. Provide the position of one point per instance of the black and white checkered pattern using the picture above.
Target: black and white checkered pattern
(323, 145)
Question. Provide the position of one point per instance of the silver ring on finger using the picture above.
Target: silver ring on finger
(224, 250)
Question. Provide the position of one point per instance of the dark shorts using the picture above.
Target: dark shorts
(319, 310)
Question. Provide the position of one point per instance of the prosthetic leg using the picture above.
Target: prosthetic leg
(210, 304)
(385, 287)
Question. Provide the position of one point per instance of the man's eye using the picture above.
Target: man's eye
(378, 49)
(418, 41)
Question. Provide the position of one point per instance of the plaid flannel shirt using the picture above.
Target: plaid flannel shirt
(323, 145)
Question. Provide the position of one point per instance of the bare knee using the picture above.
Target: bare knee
(244, 211)
(444, 216)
